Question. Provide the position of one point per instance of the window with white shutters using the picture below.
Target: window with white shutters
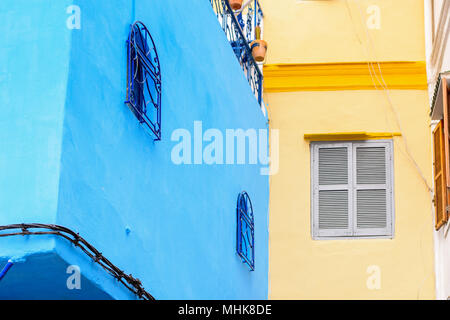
(352, 193)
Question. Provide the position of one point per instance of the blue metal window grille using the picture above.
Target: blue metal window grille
(245, 230)
(144, 78)
(239, 28)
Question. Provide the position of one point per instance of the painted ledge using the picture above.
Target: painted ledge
(348, 136)
(345, 76)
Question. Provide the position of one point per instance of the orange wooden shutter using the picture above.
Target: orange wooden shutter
(446, 128)
(440, 185)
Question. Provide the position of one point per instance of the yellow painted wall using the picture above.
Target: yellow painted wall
(302, 268)
(331, 31)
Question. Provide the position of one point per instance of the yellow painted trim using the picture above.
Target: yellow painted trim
(344, 76)
(338, 136)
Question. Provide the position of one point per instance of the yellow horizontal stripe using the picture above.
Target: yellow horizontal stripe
(338, 136)
(344, 76)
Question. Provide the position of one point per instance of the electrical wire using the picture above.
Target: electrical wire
(391, 105)
(386, 90)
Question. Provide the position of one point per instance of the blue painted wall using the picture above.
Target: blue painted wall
(112, 176)
(34, 66)
(45, 276)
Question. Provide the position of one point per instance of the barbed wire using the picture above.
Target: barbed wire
(131, 283)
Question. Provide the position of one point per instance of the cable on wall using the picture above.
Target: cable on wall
(131, 283)
(394, 111)
(385, 88)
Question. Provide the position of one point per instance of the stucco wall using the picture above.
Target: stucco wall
(308, 31)
(302, 268)
(182, 219)
(72, 153)
(34, 55)
(300, 32)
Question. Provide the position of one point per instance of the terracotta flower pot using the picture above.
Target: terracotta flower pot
(259, 49)
(235, 4)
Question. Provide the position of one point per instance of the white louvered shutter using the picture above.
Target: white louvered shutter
(332, 189)
(372, 185)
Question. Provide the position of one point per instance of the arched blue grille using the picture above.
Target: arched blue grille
(144, 78)
(245, 230)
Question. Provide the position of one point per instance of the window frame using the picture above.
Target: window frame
(245, 215)
(440, 216)
(146, 65)
(352, 232)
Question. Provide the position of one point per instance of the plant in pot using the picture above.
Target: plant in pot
(259, 47)
(235, 4)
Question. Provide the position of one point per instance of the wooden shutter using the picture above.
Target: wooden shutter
(446, 130)
(373, 189)
(440, 177)
(332, 192)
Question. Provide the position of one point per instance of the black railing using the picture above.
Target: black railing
(239, 28)
(27, 229)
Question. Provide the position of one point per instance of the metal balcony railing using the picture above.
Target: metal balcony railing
(239, 27)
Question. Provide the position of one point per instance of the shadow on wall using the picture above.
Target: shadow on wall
(45, 276)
